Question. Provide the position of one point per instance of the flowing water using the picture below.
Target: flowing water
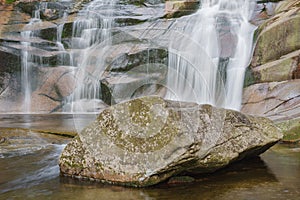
(61, 47)
(91, 30)
(207, 60)
(32, 54)
(28, 61)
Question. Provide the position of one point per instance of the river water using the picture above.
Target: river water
(29, 170)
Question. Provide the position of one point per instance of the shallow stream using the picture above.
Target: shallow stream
(29, 170)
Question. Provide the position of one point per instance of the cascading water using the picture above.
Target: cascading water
(59, 44)
(31, 56)
(91, 29)
(28, 61)
(207, 65)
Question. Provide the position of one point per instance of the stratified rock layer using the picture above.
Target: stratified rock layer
(273, 77)
(147, 140)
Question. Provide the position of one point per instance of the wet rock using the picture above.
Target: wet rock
(47, 10)
(10, 59)
(134, 12)
(28, 6)
(147, 140)
(9, 78)
(133, 70)
(49, 89)
(2, 140)
(178, 8)
(9, 92)
(143, 80)
(19, 141)
(181, 180)
(54, 85)
(4, 81)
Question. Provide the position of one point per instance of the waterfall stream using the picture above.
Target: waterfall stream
(206, 62)
(28, 60)
(32, 53)
(208, 59)
(91, 30)
(59, 44)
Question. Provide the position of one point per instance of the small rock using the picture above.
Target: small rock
(180, 180)
(2, 140)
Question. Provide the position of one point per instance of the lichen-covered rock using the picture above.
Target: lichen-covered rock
(291, 130)
(287, 5)
(278, 36)
(273, 79)
(283, 69)
(147, 140)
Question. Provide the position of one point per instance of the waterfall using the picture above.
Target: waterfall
(91, 30)
(31, 56)
(59, 44)
(208, 59)
(28, 60)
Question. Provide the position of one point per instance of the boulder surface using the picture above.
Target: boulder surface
(147, 140)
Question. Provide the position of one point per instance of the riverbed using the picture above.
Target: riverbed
(29, 170)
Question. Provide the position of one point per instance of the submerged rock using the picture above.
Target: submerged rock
(147, 140)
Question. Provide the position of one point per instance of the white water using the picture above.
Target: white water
(91, 30)
(59, 44)
(220, 31)
(29, 58)
(28, 61)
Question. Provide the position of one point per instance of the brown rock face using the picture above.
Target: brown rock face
(147, 140)
(54, 84)
(177, 8)
(275, 66)
(283, 69)
(276, 100)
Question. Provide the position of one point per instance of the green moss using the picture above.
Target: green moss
(292, 135)
(291, 130)
(10, 1)
(137, 2)
(249, 77)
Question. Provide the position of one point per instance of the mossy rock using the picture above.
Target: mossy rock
(278, 36)
(291, 130)
(147, 140)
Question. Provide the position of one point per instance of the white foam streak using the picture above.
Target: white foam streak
(208, 59)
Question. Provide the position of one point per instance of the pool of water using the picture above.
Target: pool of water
(29, 170)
